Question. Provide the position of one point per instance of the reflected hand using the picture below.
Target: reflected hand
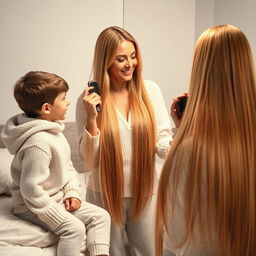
(174, 115)
(177, 109)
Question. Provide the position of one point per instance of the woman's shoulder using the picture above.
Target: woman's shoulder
(80, 98)
(151, 85)
(80, 103)
(153, 89)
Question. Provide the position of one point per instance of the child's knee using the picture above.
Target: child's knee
(71, 228)
(79, 228)
(104, 217)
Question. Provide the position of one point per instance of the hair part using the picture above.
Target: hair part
(218, 135)
(36, 88)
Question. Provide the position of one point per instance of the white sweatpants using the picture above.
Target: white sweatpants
(140, 233)
(89, 222)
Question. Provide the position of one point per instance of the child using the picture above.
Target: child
(45, 189)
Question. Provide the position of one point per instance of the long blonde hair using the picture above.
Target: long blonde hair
(218, 137)
(143, 130)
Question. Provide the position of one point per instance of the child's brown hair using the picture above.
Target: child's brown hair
(36, 88)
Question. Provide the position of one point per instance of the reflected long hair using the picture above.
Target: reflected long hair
(218, 136)
(143, 130)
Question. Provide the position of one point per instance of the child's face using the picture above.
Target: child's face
(58, 110)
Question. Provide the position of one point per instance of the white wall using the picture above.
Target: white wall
(59, 36)
(240, 13)
(204, 16)
(56, 36)
(164, 30)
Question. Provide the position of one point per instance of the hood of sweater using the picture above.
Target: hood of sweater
(20, 127)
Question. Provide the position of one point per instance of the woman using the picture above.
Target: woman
(118, 144)
(207, 191)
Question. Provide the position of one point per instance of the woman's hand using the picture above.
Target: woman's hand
(90, 102)
(72, 204)
(174, 114)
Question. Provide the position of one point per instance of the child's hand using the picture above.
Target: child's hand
(72, 204)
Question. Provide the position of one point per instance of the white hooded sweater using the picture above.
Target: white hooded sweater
(42, 172)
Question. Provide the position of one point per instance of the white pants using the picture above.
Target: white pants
(140, 233)
(89, 222)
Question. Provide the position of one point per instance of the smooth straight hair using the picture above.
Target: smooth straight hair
(143, 130)
(217, 139)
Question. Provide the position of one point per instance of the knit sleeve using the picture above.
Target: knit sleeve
(163, 124)
(88, 144)
(71, 189)
(38, 191)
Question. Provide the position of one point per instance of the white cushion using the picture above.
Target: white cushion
(15, 231)
(5, 171)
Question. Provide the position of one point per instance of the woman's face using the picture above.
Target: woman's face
(121, 70)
